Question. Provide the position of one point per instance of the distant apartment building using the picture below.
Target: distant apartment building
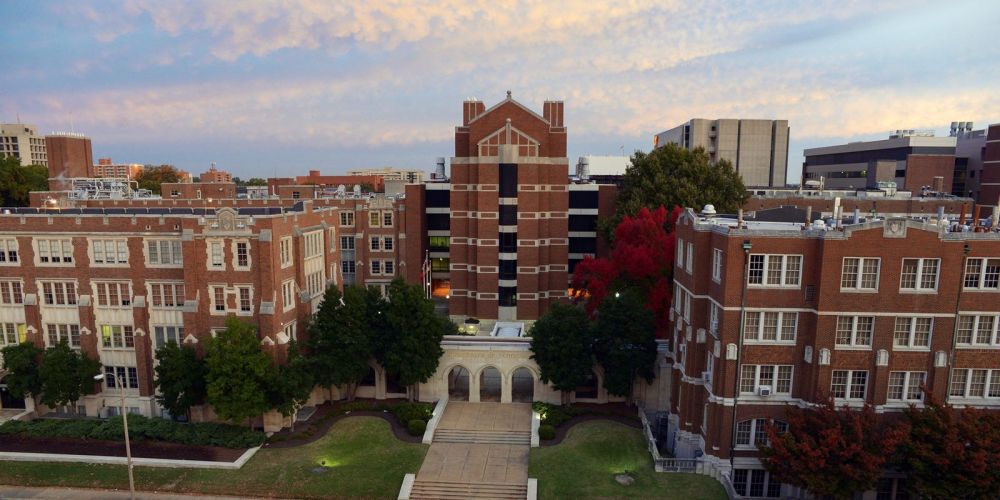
(23, 142)
(911, 159)
(870, 312)
(758, 149)
(601, 169)
(315, 178)
(409, 176)
(70, 156)
(215, 175)
(105, 168)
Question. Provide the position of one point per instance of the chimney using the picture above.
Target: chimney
(857, 215)
(739, 219)
(809, 214)
(938, 184)
(961, 217)
(471, 109)
(836, 211)
(553, 112)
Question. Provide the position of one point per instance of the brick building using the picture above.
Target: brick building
(105, 168)
(989, 182)
(215, 175)
(69, 156)
(863, 313)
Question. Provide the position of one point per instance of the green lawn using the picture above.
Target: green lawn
(364, 460)
(585, 463)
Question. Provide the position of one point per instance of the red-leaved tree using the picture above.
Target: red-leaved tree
(829, 451)
(952, 453)
(642, 259)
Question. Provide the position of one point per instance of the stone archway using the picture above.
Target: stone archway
(522, 386)
(458, 384)
(589, 388)
(490, 385)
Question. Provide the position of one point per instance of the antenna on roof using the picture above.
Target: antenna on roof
(508, 94)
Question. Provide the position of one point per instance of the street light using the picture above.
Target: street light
(128, 447)
(739, 353)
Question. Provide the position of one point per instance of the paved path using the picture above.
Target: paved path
(89, 494)
(480, 450)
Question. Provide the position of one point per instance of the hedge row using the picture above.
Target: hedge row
(139, 428)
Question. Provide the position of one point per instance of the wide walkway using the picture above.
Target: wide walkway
(480, 450)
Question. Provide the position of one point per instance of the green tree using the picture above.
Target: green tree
(625, 341)
(21, 363)
(66, 375)
(562, 345)
(17, 181)
(180, 379)
(409, 343)
(341, 337)
(238, 372)
(256, 181)
(951, 453)
(152, 178)
(672, 175)
(290, 389)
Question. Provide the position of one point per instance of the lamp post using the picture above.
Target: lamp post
(128, 446)
(739, 352)
(958, 306)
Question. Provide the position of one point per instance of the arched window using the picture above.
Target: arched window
(490, 146)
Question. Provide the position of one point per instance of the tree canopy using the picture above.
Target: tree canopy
(21, 362)
(671, 175)
(829, 451)
(290, 388)
(624, 342)
(410, 343)
(238, 372)
(17, 181)
(180, 379)
(152, 177)
(341, 336)
(562, 345)
(66, 375)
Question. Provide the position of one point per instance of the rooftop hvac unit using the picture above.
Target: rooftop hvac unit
(764, 391)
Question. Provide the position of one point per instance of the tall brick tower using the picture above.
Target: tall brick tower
(509, 207)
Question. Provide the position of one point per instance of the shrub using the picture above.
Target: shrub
(546, 432)
(405, 412)
(416, 427)
(555, 415)
(357, 406)
(140, 428)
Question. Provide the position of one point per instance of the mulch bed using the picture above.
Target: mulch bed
(616, 412)
(140, 449)
(320, 426)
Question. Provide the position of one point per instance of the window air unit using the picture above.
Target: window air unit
(764, 390)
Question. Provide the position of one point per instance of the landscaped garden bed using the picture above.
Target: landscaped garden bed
(557, 420)
(401, 416)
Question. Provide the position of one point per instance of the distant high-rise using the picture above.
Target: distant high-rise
(215, 175)
(758, 149)
(70, 156)
(911, 159)
(409, 176)
(23, 142)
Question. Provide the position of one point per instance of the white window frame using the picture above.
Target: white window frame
(388, 267)
(785, 278)
(160, 291)
(388, 244)
(374, 219)
(980, 275)
(388, 218)
(853, 343)
(680, 254)
(908, 387)
(331, 235)
(376, 267)
(962, 377)
(61, 331)
(118, 335)
(287, 295)
(12, 333)
(120, 289)
(312, 244)
(10, 254)
(919, 276)
(689, 264)
(717, 265)
(745, 485)
(849, 385)
(773, 382)
(99, 252)
(858, 278)
(175, 249)
(974, 330)
(236, 255)
(71, 298)
(240, 310)
(129, 375)
(285, 251)
(347, 242)
(347, 218)
(167, 333)
(375, 244)
(216, 250)
(213, 299)
(46, 248)
(289, 330)
(911, 333)
(11, 292)
(756, 429)
(780, 327)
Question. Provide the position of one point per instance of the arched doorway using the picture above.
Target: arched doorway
(369, 380)
(490, 384)
(522, 386)
(393, 385)
(458, 384)
(587, 389)
(7, 400)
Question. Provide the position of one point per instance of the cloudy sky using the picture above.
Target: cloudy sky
(278, 87)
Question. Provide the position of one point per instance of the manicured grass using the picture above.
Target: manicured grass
(585, 463)
(363, 458)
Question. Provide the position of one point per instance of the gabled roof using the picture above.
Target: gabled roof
(505, 101)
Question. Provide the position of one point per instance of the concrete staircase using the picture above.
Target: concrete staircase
(482, 437)
(423, 489)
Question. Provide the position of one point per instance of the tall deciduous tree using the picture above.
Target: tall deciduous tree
(152, 177)
(642, 260)
(238, 373)
(66, 375)
(21, 363)
(831, 452)
(17, 181)
(290, 388)
(951, 453)
(671, 175)
(180, 379)
(256, 181)
(409, 344)
(341, 337)
(624, 342)
(562, 345)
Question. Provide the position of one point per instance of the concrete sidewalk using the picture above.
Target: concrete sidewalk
(89, 494)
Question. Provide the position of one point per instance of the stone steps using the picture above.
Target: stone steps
(449, 490)
(482, 437)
